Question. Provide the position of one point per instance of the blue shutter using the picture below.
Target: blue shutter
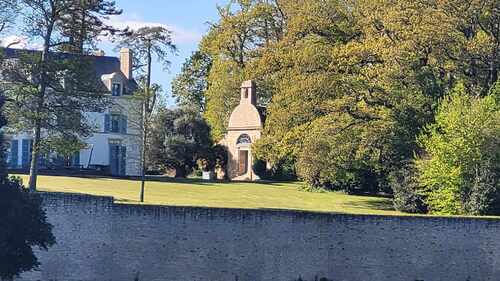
(113, 159)
(123, 161)
(124, 124)
(25, 153)
(76, 159)
(14, 152)
(42, 160)
(107, 122)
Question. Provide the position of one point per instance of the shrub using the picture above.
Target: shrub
(179, 138)
(24, 225)
(404, 184)
(484, 194)
(260, 169)
(460, 171)
(281, 171)
(343, 153)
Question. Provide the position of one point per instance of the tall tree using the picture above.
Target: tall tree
(147, 43)
(50, 92)
(369, 71)
(245, 29)
(84, 23)
(190, 85)
(460, 169)
(179, 138)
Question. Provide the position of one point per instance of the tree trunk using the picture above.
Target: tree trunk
(143, 152)
(40, 103)
(34, 157)
(144, 121)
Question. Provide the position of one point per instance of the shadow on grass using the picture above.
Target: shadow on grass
(375, 204)
(166, 179)
(199, 181)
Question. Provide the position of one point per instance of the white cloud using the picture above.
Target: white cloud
(179, 34)
(19, 42)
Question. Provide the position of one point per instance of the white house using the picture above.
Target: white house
(115, 145)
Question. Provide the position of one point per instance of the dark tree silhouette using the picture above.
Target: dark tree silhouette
(23, 224)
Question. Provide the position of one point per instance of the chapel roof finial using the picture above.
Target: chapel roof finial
(248, 92)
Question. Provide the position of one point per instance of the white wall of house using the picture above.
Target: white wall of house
(98, 150)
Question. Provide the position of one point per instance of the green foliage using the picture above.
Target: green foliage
(405, 185)
(348, 85)
(222, 96)
(460, 170)
(24, 226)
(179, 138)
(260, 169)
(213, 158)
(190, 85)
(233, 43)
(280, 171)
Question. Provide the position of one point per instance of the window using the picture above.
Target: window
(116, 90)
(246, 93)
(117, 158)
(244, 139)
(115, 123)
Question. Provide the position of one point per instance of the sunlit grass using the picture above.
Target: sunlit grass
(223, 195)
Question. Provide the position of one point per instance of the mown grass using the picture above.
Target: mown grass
(286, 196)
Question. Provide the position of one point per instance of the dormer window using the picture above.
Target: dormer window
(116, 89)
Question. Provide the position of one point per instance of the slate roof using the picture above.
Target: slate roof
(102, 64)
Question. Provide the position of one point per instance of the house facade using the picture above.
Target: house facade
(114, 147)
(244, 129)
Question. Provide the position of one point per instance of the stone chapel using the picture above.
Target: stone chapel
(245, 126)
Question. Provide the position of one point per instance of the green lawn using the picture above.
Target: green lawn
(222, 195)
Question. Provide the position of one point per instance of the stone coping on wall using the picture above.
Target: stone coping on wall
(59, 198)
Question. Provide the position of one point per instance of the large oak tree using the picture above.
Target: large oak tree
(348, 84)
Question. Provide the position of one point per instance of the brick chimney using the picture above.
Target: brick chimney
(100, 53)
(126, 62)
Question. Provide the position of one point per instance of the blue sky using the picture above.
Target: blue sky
(186, 18)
